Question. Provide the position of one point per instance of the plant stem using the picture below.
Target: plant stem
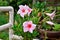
(58, 15)
(44, 19)
(45, 36)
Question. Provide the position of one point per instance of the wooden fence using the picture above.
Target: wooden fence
(10, 23)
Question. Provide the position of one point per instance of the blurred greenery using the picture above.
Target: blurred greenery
(4, 18)
(4, 34)
(57, 27)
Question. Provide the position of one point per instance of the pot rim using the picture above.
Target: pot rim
(42, 30)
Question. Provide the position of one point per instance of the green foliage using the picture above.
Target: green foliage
(3, 18)
(23, 2)
(58, 8)
(56, 27)
(3, 3)
(40, 5)
(4, 35)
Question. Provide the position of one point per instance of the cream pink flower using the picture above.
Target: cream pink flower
(49, 22)
(22, 10)
(51, 15)
(28, 26)
(28, 9)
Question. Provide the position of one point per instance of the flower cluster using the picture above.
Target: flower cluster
(23, 10)
(51, 16)
(27, 25)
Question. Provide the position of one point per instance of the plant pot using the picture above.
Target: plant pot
(50, 34)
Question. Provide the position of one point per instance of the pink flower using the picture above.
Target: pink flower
(49, 22)
(28, 9)
(28, 26)
(22, 10)
(51, 15)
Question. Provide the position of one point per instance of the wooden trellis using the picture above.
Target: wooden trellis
(10, 23)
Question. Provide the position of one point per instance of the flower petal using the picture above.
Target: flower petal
(28, 9)
(25, 29)
(20, 6)
(25, 24)
(52, 15)
(33, 26)
(30, 22)
(49, 22)
(18, 11)
(48, 14)
(31, 31)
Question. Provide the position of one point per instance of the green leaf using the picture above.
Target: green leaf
(35, 33)
(56, 27)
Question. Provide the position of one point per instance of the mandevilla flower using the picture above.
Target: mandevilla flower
(23, 10)
(28, 26)
(49, 22)
(51, 15)
(29, 10)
